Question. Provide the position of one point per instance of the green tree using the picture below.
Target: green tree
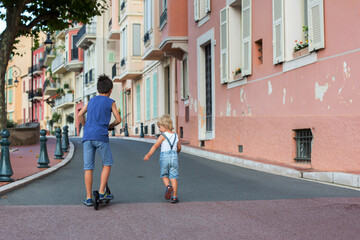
(29, 17)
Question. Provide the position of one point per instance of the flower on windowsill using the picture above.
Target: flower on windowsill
(237, 71)
(300, 45)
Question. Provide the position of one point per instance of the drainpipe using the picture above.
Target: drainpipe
(176, 98)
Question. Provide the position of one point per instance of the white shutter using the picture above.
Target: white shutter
(278, 31)
(316, 24)
(246, 37)
(224, 46)
(207, 6)
(196, 10)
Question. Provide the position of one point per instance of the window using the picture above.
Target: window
(155, 97)
(136, 39)
(10, 76)
(297, 24)
(201, 9)
(10, 96)
(147, 16)
(163, 13)
(138, 103)
(184, 79)
(303, 138)
(147, 95)
(123, 42)
(40, 113)
(236, 40)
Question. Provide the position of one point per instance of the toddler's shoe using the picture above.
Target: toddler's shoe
(174, 200)
(89, 202)
(168, 192)
(106, 196)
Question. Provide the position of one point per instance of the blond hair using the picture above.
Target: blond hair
(166, 121)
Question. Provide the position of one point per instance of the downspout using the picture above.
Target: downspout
(176, 98)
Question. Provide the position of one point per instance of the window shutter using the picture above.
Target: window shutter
(246, 37)
(196, 10)
(316, 24)
(136, 39)
(278, 31)
(155, 98)
(224, 46)
(138, 103)
(147, 94)
(207, 6)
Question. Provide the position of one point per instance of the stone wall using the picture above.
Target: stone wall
(25, 134)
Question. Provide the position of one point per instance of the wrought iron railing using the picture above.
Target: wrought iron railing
(115, 70)
(122, 63)
(146, 37)
(163, 18)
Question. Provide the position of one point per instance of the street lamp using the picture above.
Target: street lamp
(126, 133)
(48, 43)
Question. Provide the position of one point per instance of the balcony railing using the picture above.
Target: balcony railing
(74, 54)
(10, 81)
(57, 62)
(48, 84)
(115, 70)
(35, 93)
(163, 18)
(110, 24)
(86, 29)
(67, 98)
(146, 37)
(35, 67)
(122, 63)
(90, 76)
(122, 6)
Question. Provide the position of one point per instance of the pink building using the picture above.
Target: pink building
(295, 99)
(36, 81)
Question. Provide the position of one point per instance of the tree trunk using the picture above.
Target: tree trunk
(7, 40)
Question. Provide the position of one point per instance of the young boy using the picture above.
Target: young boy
(96, 136)
(170, 147)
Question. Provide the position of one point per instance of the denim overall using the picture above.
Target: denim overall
(169, 161)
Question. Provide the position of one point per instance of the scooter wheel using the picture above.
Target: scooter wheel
(96, 200)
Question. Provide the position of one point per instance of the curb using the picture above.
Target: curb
(22, 182)
(337, 178)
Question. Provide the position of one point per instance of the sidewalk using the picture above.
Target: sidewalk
(24, 164)
(340, 178)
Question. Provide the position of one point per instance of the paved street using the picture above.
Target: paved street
(217, 201)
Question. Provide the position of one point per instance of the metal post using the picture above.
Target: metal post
(43, 156)
(58, 151)
(65, 140)
(141, 130)
(126, 133)
(5, 165)
(32, 80)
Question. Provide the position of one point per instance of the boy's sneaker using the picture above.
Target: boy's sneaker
(174, 200)
(89, 202)
(168, 192)
(106, 196)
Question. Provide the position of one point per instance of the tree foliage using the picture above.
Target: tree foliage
(29, 17)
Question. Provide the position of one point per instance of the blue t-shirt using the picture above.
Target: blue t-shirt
(98, 119)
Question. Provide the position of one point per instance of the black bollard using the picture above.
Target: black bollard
(64, 143)
(141, 130)
(58, 151)
(67, 135)
(5, 165)
(43, 156)
(126, 130)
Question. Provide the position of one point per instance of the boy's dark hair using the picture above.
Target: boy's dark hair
(104, 84)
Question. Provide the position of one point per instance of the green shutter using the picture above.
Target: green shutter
(155, 100)
(147, 94)
(138, 103)
(10, 96)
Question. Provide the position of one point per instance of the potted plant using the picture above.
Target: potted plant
(301, 48)
(237, 73)
(66, 85)
(69, 119)
(56, 117)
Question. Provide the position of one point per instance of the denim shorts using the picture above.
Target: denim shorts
(169, 164)
(103, 148)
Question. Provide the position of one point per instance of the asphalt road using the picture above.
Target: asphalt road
(217, 201)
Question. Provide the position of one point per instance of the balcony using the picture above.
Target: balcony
(64, 101)
(151, 41)
(163, 18)
(114, 30)
(86, 36)
(89, 77)
(50, 88)
(35, 94)
(49, 57)
(58, 64)
(74, 65)
(116, 72)
(130, 68)
(36, 68)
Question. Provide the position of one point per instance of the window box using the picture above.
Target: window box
(301, 52)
